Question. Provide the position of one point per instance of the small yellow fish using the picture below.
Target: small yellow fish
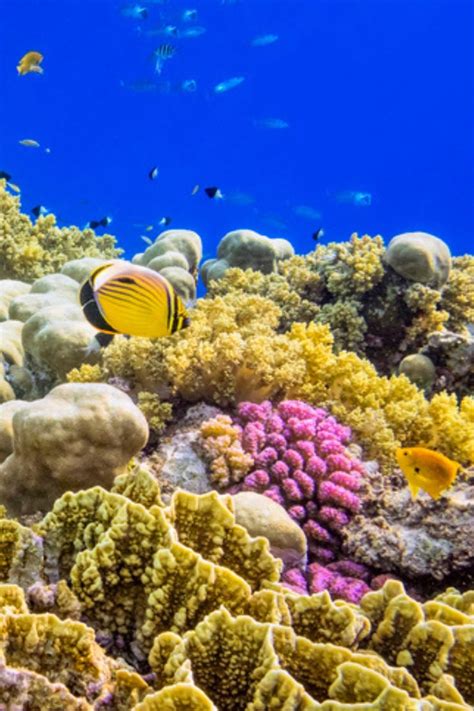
(30, 63)
(426, 469)
(30, 142)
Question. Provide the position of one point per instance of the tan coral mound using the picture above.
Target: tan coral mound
(76, 436)
(184, 593)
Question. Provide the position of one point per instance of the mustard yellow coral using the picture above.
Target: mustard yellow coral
(457, 297)
(223, 448)
(29, 251)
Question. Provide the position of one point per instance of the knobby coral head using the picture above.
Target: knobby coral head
(301, 461)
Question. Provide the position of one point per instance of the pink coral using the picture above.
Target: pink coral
(302, 450)
(345, 579)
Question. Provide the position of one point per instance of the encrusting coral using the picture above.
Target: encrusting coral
(176, 626)
(29, 251)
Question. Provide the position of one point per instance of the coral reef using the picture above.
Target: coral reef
(29, 251)
(128, 592)
(179, 608)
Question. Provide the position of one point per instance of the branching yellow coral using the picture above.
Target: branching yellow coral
(457, 297)
(29, 251)
(157, 413)
(350, 268)
(221, 443)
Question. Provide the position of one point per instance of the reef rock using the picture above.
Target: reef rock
(412, 538)
(420, 257)
(178, 461)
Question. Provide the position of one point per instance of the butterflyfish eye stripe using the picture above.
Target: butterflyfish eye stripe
(86, 293)
(95, 317)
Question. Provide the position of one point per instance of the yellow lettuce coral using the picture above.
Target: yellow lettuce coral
(29, 251)
(155, 585)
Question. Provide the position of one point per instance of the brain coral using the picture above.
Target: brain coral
(188, 614)
(29, 251)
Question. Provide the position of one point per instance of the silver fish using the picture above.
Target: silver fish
(264, 40)
(271, 123)
(228, 84)
(352, 197)
(307, 212)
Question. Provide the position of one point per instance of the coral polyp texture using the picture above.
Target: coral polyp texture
(301, 461)
(132, 605)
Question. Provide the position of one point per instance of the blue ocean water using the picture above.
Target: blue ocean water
(377, 96)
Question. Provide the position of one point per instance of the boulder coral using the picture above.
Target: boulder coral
(76, 436)
(176, 255)
(246, 249)
(31, 250)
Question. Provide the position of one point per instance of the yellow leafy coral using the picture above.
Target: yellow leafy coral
(211, 639)
(29, 251)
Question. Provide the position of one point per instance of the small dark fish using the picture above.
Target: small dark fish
(40, 210)
(165, 221)
(213, 193)
(318, 234)
(153, 174)
(5, 176)
(104, 222)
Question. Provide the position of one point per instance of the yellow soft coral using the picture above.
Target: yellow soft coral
(457, 297)
(29, 251)
(222, 446)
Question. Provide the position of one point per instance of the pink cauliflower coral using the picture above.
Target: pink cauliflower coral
(301, 462)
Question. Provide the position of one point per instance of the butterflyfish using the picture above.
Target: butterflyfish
(426, 469)
(30, 62)
(120, 297)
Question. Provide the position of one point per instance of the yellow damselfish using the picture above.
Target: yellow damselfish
(426, 469)
(119, 297)
(30, 63)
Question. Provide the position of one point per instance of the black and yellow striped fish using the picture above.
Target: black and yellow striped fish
(119, 297)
